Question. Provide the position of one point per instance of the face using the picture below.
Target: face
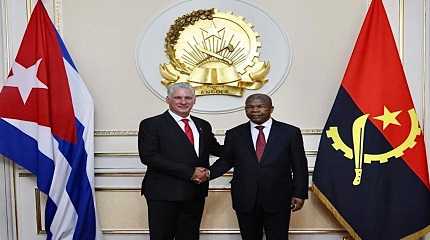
(258, 111)
(181, 101)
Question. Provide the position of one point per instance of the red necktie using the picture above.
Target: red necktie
(188, 130)
(261, 142)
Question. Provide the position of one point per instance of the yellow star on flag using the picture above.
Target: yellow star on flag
(388, 118)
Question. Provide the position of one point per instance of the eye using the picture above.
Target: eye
(256, 107)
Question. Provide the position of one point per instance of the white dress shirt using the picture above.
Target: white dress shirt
(193, 127)
(266, 130)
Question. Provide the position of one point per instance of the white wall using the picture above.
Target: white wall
(105, 57)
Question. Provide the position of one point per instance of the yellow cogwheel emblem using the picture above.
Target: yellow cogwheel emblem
(216, 52)
(358, 140)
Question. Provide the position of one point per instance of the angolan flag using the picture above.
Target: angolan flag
(371, 169)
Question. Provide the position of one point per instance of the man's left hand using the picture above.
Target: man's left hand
(296, 203)
(200, 175)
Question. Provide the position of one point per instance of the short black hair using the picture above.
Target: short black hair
(263, 97)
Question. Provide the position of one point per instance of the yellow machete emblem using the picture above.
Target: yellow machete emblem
(358, 141)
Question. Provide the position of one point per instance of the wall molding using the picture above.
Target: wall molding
(10, 187)
(41, 230)
(136, 154)
(217, 132)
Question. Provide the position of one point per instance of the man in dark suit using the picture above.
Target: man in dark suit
(175, 147)
(270, 177)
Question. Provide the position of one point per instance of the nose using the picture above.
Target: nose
(182, 100)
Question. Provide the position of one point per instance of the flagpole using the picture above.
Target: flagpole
(426, 77)
(29, 8)
(10, 227)
(401, 29)
(57, 16)
(5, 42)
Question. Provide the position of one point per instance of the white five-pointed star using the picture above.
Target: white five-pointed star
(25, 79)
(212, 31)
(388, 118)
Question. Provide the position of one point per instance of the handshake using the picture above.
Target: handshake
(200, 175)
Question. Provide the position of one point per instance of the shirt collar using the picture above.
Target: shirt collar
(266, 124)
(177, 117)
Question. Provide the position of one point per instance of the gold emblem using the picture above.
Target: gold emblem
(216, 52)
(358, 141)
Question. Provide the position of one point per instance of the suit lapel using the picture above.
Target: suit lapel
(274, 135)
(246, 133)
(174, 126)
(201, 132)
(177, 132)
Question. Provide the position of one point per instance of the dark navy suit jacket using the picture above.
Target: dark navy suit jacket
(170, 158)
(282, 172)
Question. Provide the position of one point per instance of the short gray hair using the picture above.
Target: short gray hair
(173, 87)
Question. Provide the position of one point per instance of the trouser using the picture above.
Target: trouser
(179, 220)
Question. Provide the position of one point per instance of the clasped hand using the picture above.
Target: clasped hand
(200, 175)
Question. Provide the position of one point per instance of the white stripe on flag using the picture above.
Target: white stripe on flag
(65, 217)
(36, 132)
(84, 112)
(83, 107)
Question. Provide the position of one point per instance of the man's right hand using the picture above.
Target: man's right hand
(200, 175)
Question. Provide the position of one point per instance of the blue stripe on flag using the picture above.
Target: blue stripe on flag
(50, 210)
(78, 185)
(24, 155)
(66, 54)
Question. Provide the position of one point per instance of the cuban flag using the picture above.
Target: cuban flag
(46, 126)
